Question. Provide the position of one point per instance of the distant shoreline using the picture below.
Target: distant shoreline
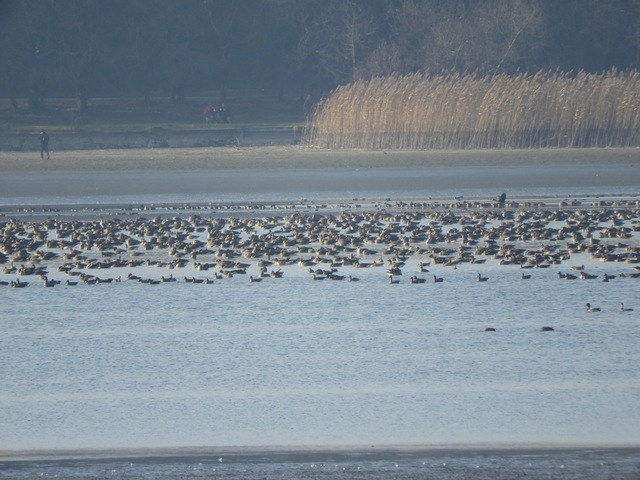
(234, 454)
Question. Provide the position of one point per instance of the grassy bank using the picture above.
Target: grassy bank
(248, 109)
(464, 111)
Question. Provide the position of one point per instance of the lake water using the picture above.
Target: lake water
(291, 362)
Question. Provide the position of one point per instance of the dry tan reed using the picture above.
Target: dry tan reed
(418, 111)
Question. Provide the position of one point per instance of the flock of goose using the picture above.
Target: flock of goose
(325, 244)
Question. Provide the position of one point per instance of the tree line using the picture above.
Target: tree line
(174, 48)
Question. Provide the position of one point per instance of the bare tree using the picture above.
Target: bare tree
(486, 36)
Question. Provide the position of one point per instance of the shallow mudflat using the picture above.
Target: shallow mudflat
(302, 157)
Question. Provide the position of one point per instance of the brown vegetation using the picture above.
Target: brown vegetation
(464, 111)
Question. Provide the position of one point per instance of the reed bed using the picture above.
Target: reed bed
(419, 111)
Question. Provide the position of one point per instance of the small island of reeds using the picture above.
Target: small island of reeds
(420, 111)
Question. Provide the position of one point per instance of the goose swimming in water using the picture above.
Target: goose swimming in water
(566, 276)
(353, 279)
(437, 279)
(622, 308)
(480, 278)
(392, 281)
(591, 309)
(416, 279)
(525, 276)
(587, 276)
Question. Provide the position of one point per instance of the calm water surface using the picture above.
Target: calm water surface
(291, 361)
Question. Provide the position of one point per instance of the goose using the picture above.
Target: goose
(437, 279)
(70, 283)
(392, 281)
(587, 276)
(9, 270)
(353, 279)
(622, 308)
(547, 329)
(525, 276)
(608, 277)
(566, 276)
(480, 278)
(591, 309)
(18, 284)
(415, 279)
(489, 329)
(170, 278)
(50, 282)
(254, 280)
(394, 271)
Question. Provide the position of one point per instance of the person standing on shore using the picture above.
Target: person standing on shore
(44, 144)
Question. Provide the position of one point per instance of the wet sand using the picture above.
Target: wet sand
(294, 172)
(301, 157)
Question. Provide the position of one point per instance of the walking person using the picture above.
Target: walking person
(44, 144)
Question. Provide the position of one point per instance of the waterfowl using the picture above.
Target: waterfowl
(480, 278)
(415, 279)
(489, 329)
(9, 270)
(591, 309)
(437, 279)
(566, 276)
(170, 278)
(525, 276)
(50, 282)
(70, 283)
(392, 281)
(18, 284)
(353, 279)
(587, 276)
(394, 271)
(622, 308)
(254, 280)
(193, 280)
(547, 329)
